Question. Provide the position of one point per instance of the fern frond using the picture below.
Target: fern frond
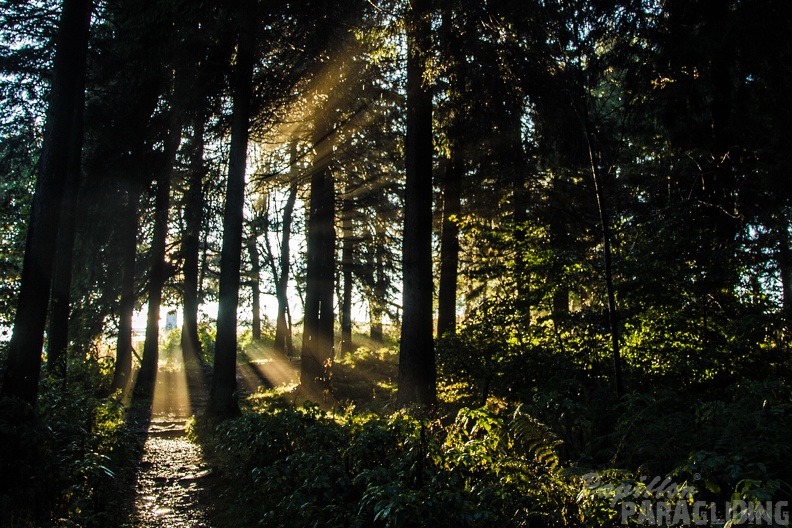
(534, 438)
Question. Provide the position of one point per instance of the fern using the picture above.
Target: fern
(531, 436)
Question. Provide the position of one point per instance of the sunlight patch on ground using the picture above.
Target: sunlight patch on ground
(171, 392)
(261, 367)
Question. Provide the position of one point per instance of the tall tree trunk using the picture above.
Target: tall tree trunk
(613, 314)
(193, 213)
(283, 344)
(255, 285)
(449, 241)
(784, 262)
(317, 352)
(451, 183)
(377, 302)
(347, 257)
(417, 370)
(58, 334)
(158, 270)
(23, 366)
(517, 174)
(223, 401)
(130, 198)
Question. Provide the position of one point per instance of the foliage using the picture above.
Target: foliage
(283, 466)
(66, 464)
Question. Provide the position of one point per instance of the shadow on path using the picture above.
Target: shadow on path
(169, 488)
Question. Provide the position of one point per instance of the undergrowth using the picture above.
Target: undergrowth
(286, 466)
(64, 463)
(563, 451)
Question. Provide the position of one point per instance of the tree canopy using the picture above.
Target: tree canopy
(543, 203)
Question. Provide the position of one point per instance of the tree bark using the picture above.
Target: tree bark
(378, 300)
(223, 400)
(517, 174)
(449, 241)
(255, 285)
(347, 262)
(283, 344)
(58, 334)
(158, 270)
(23, 367)
(193, 213)
(128, 246)
(613, 314)
(317, 352)
(417, 370)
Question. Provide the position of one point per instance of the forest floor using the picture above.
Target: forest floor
(172, 486)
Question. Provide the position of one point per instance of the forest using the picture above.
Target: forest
(395, 263)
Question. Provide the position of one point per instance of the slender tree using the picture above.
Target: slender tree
(159, 268)
(130, 198)
(417, 370)
(317, 351)
(190, 248)
(223, 400)
(283, 342)
(23, 367)
(255, 282)
(347, 263)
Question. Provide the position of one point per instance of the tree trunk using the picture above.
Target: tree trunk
(223, 400)
(377, 302)
(613, 315)
(784, 262)
(255, 286)
(193, 212)
(283, 343)
(317, 352)
(130, 198)
(23, 366)
(449, 241)
(417, 371)
(58, 334)
(517, 169)
(158, 270)
(347, 256)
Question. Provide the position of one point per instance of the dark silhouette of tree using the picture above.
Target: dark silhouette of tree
(417, 371)
(223, 400)
(23, 367)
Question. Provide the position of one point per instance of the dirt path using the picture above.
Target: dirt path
(170, 489)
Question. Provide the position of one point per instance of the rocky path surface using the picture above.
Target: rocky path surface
(171, 487)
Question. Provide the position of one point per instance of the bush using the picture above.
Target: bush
(64, 463)
(492, 466)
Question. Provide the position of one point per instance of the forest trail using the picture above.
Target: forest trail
(171, 487)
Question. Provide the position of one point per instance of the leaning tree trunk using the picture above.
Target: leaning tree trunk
(417, 370)
(223, 401)
(613, 315)
(317, 352)
(23, 366)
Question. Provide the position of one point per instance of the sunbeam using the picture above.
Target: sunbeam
(171, 390)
